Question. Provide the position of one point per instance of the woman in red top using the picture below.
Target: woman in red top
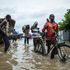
(51, 27)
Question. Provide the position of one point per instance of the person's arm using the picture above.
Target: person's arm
(44, 28)
(56, 28)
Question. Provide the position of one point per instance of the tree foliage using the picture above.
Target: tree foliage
(62, 26)
(65, 24)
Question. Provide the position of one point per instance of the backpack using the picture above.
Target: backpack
(1, 19)
(25, 27)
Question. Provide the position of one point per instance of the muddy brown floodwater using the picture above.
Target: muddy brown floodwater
(20, 57)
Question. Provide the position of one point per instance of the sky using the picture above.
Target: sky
(28, 11)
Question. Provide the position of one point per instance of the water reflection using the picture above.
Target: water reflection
(23, 58)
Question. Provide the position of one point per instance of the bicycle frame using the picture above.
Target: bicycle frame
(38, 42)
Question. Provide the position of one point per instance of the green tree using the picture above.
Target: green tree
(65, 24)
(62, 26)
(67, 20)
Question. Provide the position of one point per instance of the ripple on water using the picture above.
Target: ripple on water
(23, 58)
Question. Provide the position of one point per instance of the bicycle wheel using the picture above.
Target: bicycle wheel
(41, 47)
(63, 52)
(66, 49)
(34, 43)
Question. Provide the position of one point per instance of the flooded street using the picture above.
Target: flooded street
(20, 57)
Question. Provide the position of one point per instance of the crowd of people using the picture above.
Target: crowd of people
(50, 28)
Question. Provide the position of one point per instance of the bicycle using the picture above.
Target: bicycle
(38, 42)
(61, 49)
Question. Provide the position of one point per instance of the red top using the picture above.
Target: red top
(51, 27)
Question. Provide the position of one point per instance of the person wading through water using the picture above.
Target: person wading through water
(52, 29)
(5, 30)
(33, 28)
(26, 29)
